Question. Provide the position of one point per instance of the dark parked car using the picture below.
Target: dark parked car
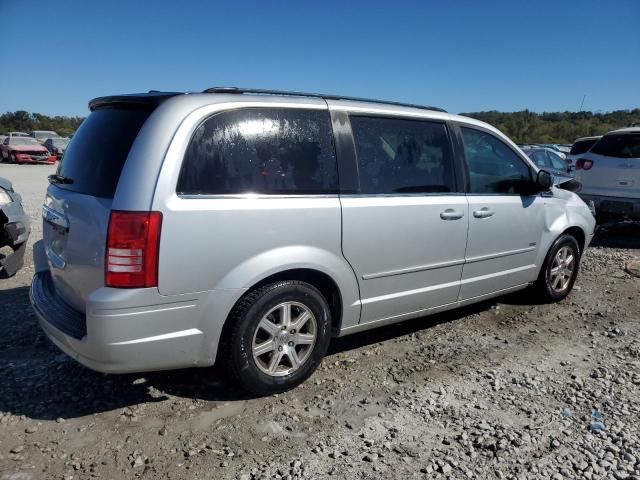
(56, 146)
(14, 229)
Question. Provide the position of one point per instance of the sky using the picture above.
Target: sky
(461, 55)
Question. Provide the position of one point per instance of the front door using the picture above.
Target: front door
(405, 230)
(505, 221)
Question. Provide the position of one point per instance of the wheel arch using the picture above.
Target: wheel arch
(578, 234)
(327, 286)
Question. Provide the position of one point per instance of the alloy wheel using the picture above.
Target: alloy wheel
(284, 339)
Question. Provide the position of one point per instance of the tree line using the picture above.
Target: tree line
(521, 127)
(556, 127)
(22, 121)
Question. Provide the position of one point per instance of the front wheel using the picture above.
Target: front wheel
(278, 336)
(560, 269)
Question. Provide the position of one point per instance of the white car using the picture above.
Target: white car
(580, 146)
(610, 174)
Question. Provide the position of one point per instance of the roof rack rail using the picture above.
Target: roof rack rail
(259, 91)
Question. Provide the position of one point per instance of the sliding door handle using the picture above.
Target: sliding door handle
(451, 214)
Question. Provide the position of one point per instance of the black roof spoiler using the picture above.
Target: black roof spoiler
(148, 100)
(258, 91)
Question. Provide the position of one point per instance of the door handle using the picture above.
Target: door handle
(484, 212)
(451, 214)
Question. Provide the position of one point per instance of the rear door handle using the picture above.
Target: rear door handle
(451, 214)
(484, 212)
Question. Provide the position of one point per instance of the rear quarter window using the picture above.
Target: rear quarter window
(95, 156)
(624, 145)
(582, 146)
(261, 150)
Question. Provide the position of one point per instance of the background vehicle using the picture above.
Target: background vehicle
(548, 159)
(14, 229)
(610, 174)
(18, 149)
(250, 226)
(580, 146)
(556, 148)
(42, 135)
(56, 146)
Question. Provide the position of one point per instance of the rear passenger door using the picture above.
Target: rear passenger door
(405, 221)
(506, 221)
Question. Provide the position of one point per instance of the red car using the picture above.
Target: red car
(24, 150)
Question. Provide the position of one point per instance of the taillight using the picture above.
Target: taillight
(584, 164)
(133, 241)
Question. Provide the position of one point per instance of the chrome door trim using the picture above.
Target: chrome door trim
(419, 268)
(500, 254)
(252, 196)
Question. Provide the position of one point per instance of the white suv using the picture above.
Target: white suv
(610, 174)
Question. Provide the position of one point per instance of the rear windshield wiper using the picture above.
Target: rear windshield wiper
(55, 178)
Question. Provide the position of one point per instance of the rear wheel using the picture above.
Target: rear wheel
(278, 337)
(560, 269)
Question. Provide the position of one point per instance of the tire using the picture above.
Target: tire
(550, 287)
(266, 307)
(12, 158)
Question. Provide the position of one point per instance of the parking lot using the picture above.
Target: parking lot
(503, 389)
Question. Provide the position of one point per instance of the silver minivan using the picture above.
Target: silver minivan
(250, 227)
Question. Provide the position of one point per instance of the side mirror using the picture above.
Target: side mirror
(544, 180)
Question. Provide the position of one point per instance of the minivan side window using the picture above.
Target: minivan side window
(261, 150)
(493, 166)
(398, 156)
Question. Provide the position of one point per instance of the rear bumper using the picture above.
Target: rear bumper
(608, 206)
(46, 161)
(130, 330)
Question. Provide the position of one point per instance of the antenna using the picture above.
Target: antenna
(582, 102)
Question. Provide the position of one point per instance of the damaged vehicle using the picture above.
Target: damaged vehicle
(14, 230)
(22, 150)
(249, 227)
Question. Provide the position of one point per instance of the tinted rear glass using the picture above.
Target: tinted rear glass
(261, 150)
(582, 146)
(625, 145)
(95, 156)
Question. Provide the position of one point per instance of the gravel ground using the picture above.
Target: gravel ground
(505, 389)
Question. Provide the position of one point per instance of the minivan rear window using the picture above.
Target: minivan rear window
(96, 154)
(582, 146)
(623, 145)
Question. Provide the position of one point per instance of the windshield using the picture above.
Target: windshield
(23, 141)
(60, 142)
